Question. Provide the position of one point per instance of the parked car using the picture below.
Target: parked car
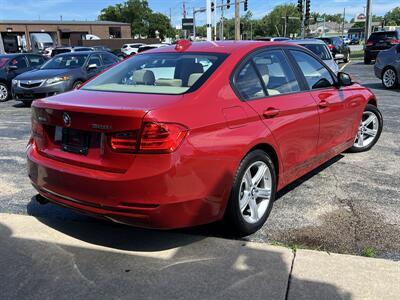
(378, 41)
(151, 46)
(339, 49)
(101, 48)
(12, 65)
(355, 41)
(129, 49)
(272, 39)
(62, 73)
(162, 140)
(40, 41)
(60, 50)
(387, 67)
(346, 40)
(320, 49)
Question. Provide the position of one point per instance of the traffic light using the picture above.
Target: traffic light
(308, 7)
(300, 7)
(212, 6)
(245, 5)
(228, 4)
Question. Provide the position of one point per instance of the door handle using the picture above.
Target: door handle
(270, 112)
(323, 104)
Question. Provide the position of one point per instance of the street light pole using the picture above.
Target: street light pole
(221, 30)
(208, 9)
(237, 20)
(368, 20)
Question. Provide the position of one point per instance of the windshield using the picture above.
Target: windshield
(320, 50)
(3, 61)
(158, 73)
(65, 62)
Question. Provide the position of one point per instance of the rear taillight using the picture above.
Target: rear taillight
(154, 138)
(369, 43)
(161, 137)
(394, 42)
(125, 142)
(330, 46)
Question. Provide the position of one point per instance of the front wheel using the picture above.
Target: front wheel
(389, 78)
(4, 92)
(76, 84)
(253, 193)
(369, 130)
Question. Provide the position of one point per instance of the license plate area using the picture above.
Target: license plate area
(73, 140)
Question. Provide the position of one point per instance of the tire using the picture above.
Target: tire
(4, 92)
(27, 103)
(346, 59)
(374, 129)
(76, 84)
(367, 60)
(390, 79)
(255, 209)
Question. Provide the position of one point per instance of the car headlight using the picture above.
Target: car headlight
(14, 82)
(57, 79)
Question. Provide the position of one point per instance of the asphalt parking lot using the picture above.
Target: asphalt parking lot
(348, 205)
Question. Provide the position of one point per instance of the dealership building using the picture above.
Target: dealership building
(16, 36)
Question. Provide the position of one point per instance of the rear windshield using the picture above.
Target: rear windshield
(65, 62)
(320, 50)
(376, 36)
(59, 51)
(158, 73)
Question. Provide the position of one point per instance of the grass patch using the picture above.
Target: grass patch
(357, 55)
(368, 252)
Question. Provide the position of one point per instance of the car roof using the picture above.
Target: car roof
(220, 46)
(81, 53)
(307, 41)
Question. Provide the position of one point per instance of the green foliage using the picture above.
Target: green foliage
(368, 252)
(142, 19)
(393, 16)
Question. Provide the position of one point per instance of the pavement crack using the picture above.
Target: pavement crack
(290, 276)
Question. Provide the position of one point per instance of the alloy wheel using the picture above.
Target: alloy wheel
(389, 78)
(255, 192)
(367, 130)
(3, 93)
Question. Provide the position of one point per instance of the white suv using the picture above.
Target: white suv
(129, 49)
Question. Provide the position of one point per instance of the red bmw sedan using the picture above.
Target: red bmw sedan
(193, 133)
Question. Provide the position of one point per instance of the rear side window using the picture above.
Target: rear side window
(20, 62)
(158, 73)
(35, 60)
(320, 50)
(276, 73)
(248, 83)
(316, 75)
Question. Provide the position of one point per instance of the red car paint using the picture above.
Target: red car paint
(192, 184)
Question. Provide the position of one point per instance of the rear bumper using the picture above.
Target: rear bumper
(163, 197)
(371, 54)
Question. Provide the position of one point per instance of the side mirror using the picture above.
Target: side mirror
(344, 79)
(12, 68)
(92, 66)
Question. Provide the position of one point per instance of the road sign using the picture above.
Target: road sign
(187, 23)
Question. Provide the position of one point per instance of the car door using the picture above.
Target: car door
(93, 66)
(268, 84)
(336, 107)
(17, 66)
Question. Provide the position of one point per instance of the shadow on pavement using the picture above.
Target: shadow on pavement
(37, 263)
(379, 86)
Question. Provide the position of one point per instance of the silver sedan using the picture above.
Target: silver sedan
(387, 67)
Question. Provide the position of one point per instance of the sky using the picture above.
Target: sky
(90, 9)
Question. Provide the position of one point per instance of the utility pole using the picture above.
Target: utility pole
(368, 20)
(194, 24)
(344, 18)
(215, 23)
(208, 9)
(221, 22)
(237, 20)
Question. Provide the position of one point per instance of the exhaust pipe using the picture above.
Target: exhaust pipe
(41, 200)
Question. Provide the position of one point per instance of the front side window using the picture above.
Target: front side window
(316, 75)
(158, 73)
(35, 60)
(109, 59)
(94, 60)
(276, 73)
(65, 62)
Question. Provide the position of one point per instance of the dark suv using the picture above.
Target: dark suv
(339, 49)
(378, 41)
(12, 65)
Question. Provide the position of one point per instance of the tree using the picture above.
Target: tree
(144, 22)
(393, 17)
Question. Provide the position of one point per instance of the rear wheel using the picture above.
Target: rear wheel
(369, 130)
(4, 92)
(367, 60)
(389, 78)
(253, 193)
